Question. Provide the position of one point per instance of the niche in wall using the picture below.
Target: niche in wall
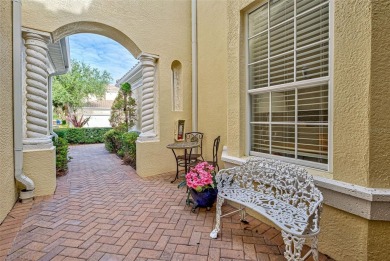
(177, 86)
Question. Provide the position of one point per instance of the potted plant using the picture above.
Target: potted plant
(202, 186)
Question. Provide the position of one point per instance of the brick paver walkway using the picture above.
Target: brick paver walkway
(103, 211)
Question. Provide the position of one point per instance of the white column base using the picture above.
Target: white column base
(148, 136)
(37, 143)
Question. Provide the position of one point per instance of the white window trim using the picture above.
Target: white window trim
(301, 84)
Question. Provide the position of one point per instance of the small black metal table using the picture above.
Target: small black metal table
(182, 146)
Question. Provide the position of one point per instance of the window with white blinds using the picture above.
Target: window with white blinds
(288, 70)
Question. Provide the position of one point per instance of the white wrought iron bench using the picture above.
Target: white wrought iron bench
(281, 192)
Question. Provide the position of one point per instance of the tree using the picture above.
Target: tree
(72, 90)
(123, 109)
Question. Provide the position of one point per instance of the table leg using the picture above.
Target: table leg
(177, 166)
(185, 161)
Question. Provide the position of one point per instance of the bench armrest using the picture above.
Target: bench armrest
(225, 177)
(314, 217)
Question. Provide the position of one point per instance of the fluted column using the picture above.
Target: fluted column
(148, 107)
(37, 90)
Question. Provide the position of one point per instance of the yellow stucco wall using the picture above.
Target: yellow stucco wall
(40, 166)
(380, 96)
(352, 58)
(360, 121)
(360, 92)
(378, 240)
(212, 75)
(343, 236)
(157, 27)
(8, 194)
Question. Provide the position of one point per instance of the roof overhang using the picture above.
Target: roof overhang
(133, 76)
(58, 53)
(59, 57)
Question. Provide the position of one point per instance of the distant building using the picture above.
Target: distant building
(100, 110)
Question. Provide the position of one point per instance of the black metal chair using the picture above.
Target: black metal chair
(214, 162)
(198, 156)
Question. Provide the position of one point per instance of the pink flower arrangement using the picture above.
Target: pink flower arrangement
(200, 177)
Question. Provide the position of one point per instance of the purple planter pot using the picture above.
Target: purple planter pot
(204, 199)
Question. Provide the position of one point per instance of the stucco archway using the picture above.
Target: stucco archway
(147, 61)
(159, 34)
(97, 28)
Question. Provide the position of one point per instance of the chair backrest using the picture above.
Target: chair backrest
(195, 137)
(215, 149)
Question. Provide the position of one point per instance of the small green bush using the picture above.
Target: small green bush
(123, 144)
(82, 135)
(112, 140)
(129, 147)
(120, 153)
(62, 159)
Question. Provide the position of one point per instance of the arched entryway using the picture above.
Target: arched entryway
(36, 48)
(160, 28)
(38, 132)
(97, 28)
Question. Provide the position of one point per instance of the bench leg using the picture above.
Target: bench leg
(314, 249)
(294, 246)
(243, 215)
(214, 233)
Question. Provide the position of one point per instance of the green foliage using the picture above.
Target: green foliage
(112, 140)
(129, 147)
(126, 88)
(82, 135)
(123, 144)
(72, 90)
(120, 153)
(123, 109)
(62, 159)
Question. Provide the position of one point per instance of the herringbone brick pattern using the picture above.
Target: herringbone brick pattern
(103, 211)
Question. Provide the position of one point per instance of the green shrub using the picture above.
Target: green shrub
(123, 144)
(62, 159)
(112, 140)
(120, 153)
(82, 135)
(129, 147)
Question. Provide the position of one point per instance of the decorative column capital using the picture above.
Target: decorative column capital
(36, 39)
(147, 59)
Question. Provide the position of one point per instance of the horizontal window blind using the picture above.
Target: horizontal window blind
(288, 43)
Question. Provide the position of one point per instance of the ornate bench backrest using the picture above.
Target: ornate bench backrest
(286, 182)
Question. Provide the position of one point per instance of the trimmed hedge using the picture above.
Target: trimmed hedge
(82, 135)
(123, 144)
(62, 158)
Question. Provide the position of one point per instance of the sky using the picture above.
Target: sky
(102, 53)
